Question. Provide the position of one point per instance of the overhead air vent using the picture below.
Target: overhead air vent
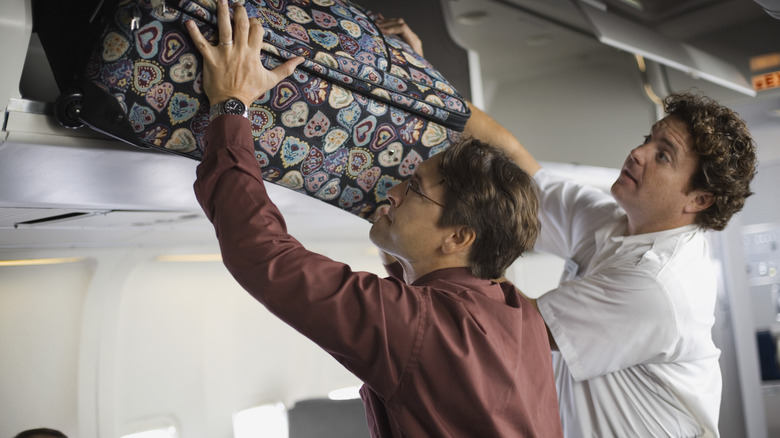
(24, 217)
(42, 218)
(55, 218)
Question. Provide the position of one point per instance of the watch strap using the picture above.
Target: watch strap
(229, 106)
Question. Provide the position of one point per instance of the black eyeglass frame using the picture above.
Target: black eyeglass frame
(417, 190)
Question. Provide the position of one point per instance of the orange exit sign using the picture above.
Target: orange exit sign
(766, 81)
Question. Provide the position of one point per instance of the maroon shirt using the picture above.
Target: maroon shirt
(448, 356)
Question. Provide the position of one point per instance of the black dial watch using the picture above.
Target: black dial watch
(230, 106)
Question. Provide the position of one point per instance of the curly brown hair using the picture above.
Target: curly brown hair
(727, 155)
(487, 192)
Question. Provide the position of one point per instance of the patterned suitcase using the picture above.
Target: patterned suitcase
(352, 121)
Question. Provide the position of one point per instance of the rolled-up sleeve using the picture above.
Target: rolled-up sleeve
(570, 212)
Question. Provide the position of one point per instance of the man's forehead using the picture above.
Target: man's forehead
(673, 131)
(429, 167)
(672, 122)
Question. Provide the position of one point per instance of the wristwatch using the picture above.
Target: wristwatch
(230, 106)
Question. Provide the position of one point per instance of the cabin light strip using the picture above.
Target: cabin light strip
(189, 258)
(36, 262)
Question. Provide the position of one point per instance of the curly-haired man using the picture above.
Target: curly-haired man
(632, 316)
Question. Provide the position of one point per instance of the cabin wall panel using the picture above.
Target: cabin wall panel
(193, 345)
(40, 326)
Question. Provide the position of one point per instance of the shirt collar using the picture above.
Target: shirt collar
(462, 277)
(616, 234)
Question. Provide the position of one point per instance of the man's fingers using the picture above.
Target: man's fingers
(390, 21)
(241, 23)
(223, 21)
(200, 42)
(285, 69)
(395, 29)
(397, 26)
(256, 33)
(391, 25)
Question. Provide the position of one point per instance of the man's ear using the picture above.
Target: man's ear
(699, 201)
(460, 239)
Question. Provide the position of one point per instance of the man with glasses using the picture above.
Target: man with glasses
(443, 352)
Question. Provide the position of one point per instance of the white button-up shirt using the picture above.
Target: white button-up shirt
(632, 318)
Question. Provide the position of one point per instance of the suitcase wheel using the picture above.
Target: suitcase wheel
(67, 109)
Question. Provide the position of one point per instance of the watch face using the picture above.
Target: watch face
(234, 106)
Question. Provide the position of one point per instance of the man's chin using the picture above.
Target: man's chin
(622, 196)
(616, 188)
(374, 233)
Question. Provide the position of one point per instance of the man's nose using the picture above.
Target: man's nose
(637, 154)
(396, 193)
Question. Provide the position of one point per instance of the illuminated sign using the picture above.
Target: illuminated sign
(764, 62)
(766, 81)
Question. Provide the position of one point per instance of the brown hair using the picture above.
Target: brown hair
(487, 192)
(727, 155)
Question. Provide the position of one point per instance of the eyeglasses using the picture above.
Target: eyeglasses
(413, 186)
